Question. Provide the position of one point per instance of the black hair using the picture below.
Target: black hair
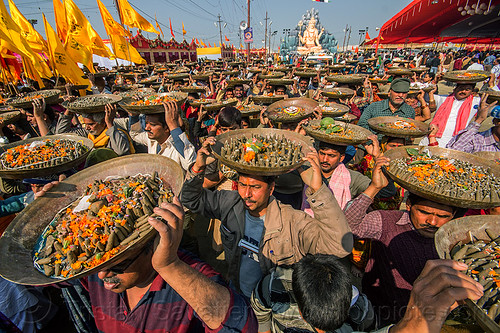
(194, 95)
(323, 291)
(160, 117)
(266, 179)
(431, 75)
(326, 145)
(415, 199)
(229, 116)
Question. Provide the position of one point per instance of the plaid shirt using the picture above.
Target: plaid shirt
(369, 225)
(380, 109)
(162, 309)
(470, 140)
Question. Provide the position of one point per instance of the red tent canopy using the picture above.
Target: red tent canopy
(427, 21)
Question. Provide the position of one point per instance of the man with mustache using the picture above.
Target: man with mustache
(161, 288)
(402, 242)
(393, 106)
(163, 136)
(259, 232)
(454, 112)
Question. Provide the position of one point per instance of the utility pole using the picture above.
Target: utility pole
(265, 38)
(348, 37)
(345, 35)
(269, 43)
(248, 24)
(220, 30)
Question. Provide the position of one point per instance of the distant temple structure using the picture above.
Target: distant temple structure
(309, 36)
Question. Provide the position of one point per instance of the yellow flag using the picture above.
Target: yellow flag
(35, 40)
(183, 30)
(116, 32)
(132, 18)
(12, 39)
(112, 27)
(82, 31)
(158, 26)
(79, 52)
(61, 23)
(124, 50)
(63, 63)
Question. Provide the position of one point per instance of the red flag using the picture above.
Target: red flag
(197, 43)
(209, 44)
(227, 39)
(356, 50)
(171, 30)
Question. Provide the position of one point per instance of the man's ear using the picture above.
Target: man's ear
(342, 157)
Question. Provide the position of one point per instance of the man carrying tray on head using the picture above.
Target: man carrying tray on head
(259, 232)
(100, 128)
(402, 242)
(454, 112)
(164, 136)
(159, 287)
(393, 106)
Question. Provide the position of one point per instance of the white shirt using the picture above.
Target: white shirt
(167, 148)
(452, 119)
(476, 66)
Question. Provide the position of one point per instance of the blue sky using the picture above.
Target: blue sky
(199, 16)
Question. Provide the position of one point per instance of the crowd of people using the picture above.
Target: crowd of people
(334, 246)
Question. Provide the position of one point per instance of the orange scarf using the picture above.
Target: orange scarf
(101, 141)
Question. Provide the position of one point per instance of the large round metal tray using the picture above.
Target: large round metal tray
(399, 71)
(141, 92)
(489, 155)
(419, 69)
(466, 76)
(92, 109)
(460, 230)
(413, 185)
(41, 172)
(378, 125)
(266, 100)
(274, 75)
(337, 67)
(10, 117)
(180, 97)
(280, 82)
(278, 116)
(219, 105)
(378, 80)
(17, 242)
(193, 89)
(202, 77)
(493, 95)
(338, 93)
(231, 73)
(347, 118)
(149, 80)
(51, 96)
(254, 70)
(361, 134)
(307, 74)
(297, 138)
(331, 109)
(346, 79)
(283, 69)
(235, 82)
(126, 87)
(250, 109)
(177, 76)
(203, 101)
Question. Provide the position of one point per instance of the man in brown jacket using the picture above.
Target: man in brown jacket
(259, 232)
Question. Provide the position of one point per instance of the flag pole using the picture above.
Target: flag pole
(121, 22)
